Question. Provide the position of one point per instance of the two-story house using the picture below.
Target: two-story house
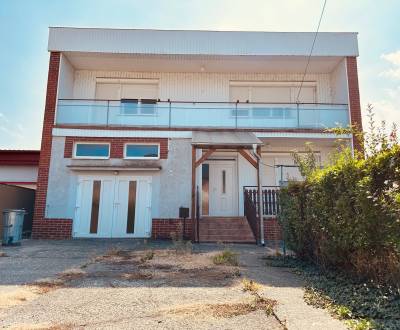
(139, 123)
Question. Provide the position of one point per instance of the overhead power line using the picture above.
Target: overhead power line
(312, 48)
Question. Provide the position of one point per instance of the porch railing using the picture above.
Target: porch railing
(250, 211)
(270, 198)
(176, 114)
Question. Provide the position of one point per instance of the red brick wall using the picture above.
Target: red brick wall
(53, 229)
(272, 229)
(117, 145)
(354, 97)
(45, 228)
(162, 228)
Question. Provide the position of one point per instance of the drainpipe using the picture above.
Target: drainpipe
(260, 210)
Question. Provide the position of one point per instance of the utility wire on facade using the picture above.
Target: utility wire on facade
(309, 56)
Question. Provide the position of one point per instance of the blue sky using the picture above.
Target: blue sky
(24, 30)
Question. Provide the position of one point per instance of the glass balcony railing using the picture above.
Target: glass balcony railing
(200, 114)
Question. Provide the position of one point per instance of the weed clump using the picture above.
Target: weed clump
(227, 258)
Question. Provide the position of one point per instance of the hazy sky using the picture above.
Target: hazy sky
(24, 30)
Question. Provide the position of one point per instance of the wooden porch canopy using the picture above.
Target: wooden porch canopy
(211, 141)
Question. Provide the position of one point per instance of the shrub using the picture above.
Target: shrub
(347, 215)
(226, 257)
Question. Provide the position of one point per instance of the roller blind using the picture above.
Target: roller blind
(106, 91)
(271, 94)
(116, 90)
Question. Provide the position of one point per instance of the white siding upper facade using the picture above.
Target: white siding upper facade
(200, 87)
(135, 41)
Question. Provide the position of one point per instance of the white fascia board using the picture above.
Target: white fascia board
(181, 134)
(186, 42)
(120, 133)
(302, 135)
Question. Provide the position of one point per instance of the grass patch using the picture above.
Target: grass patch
(147, 256)
(227, 258)
(362, 305)
(251, 286)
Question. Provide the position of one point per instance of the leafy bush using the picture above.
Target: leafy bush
(347, 215)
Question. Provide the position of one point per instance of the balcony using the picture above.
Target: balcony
(222, 115)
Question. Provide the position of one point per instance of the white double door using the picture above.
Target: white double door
(222, 189)
(113, 206)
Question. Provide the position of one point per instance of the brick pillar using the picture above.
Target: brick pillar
(45, 150)
(354, 98)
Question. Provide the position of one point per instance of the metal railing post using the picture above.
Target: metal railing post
(169, 113)
(236, 114)
(298, 115)
(108, 113)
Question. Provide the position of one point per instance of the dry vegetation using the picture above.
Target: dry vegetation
(177, 267)
(227, 258)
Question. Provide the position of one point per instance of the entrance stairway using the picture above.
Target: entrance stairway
(225, 230)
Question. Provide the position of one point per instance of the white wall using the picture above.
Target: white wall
(147, 41)
(66, 80)
(339, 83)
(195, 86)
(18, 173)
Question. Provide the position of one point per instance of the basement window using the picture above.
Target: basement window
(142, 151)
(89, 150)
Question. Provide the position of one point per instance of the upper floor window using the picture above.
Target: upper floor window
(272, 92)
(92, 150)
(142, 151)
(136, 96)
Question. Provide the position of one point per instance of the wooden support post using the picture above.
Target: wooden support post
(249, 158)
(204, 157)
(193, 206)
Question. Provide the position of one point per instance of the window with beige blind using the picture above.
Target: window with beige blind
(279, 92)
(136, 96)
(268, 99)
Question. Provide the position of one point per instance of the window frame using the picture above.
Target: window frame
(142, 144)
(74, 155)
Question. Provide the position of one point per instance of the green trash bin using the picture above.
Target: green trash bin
(13, 221)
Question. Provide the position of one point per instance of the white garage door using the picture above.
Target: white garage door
(113, 206)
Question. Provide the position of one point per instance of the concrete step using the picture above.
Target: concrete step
(225, 229)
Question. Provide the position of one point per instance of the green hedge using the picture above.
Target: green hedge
(347, 216)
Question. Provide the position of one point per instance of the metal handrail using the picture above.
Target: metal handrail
(208, 102)
(250, 212)
(179, 114)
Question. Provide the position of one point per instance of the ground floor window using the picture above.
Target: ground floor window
(142, 151)
(92, 150)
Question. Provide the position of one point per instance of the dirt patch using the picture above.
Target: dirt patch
(169, 266)
(42, 326)
(223, 310)
(71, 274)
(215, 310)
(17, 296)
(137, 276)
(46, 285)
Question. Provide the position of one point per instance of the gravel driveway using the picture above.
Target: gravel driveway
(113, 284)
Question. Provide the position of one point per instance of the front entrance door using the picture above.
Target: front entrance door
(113, 206)
(222, 188)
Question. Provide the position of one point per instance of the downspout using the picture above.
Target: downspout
(259, 186)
